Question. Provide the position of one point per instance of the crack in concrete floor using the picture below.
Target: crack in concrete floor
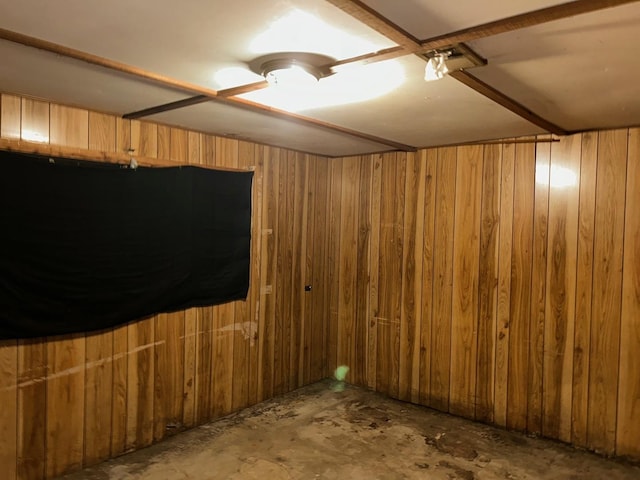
(320, 432)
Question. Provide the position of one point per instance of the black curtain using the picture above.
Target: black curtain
(86, 245)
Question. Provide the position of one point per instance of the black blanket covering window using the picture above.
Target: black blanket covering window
(86, 245)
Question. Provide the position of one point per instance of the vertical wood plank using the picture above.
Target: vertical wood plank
(204, 326)
(224, 319)
(430, 158)
(347, 261)
(372, 330)
(584, 291)
(521, 257)
(10, 116)
(65, 393)
(9, 410)
(488, 282)
(309, 340)
(119, 391)
(190, 318)
(140, 383)
(504, 285)
(98, 397)
(319, 268)
(390, 273)
(411, 308)
(466, 252)
(333, 258)
(164, 141)
(32, 409)
(99, 381)
(561, 287)
(443, 278)
(358, 363)
(268, 274)
(256, 306)
(538, 287)
(243, 319)
(607, 285)
(144, 139)
(35, 121)
(298, 173)
(119, 408)
(628, 433)
(69, 126)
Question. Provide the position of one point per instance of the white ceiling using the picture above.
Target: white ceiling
(579, 73)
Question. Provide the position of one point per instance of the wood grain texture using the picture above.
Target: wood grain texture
(10, 113)
(65, 393)
(520, 310)
(333, 249)
(348, 262)
(34, 125)
(607, 284)
(628, 433)
(32, 409)
(430, 159)
(372, 331)
(411, 307)
(561, 287)
(358, 363)
(9, 410)
(505, 243)
(584, 289)
(488, 282)
(465, 307)
(443, 278)
(320, 286)
(69, 126)
(538, 287)
(135, 384)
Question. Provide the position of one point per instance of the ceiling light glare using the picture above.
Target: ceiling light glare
(436, 67)
(293, 75)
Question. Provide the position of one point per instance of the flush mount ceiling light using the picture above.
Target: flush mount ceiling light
(436, 66)
(292, 68)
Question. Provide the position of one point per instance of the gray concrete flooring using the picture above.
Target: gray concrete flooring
(333, 431)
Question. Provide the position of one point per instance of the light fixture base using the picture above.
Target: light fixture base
(292, 67)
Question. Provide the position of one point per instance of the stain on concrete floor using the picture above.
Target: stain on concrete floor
(324, 432)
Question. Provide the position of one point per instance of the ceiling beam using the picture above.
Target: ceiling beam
(185, 102)
(380, 24)
(516, 22)
(507, 102)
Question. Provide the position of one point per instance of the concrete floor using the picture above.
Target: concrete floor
(332, 431)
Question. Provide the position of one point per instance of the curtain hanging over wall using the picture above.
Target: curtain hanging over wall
(86, 245)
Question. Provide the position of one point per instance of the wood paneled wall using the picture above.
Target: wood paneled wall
(462, 278)
(470, 280)
(76, 400)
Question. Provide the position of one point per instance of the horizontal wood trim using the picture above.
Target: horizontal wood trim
(507, 102)
(239, 90)
(516, 22)
(34, 148)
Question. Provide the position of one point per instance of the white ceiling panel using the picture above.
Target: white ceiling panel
(423, 113)
(27, 71)
(231, 121)
(429, 18)
(192, 40)
(580, 73)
